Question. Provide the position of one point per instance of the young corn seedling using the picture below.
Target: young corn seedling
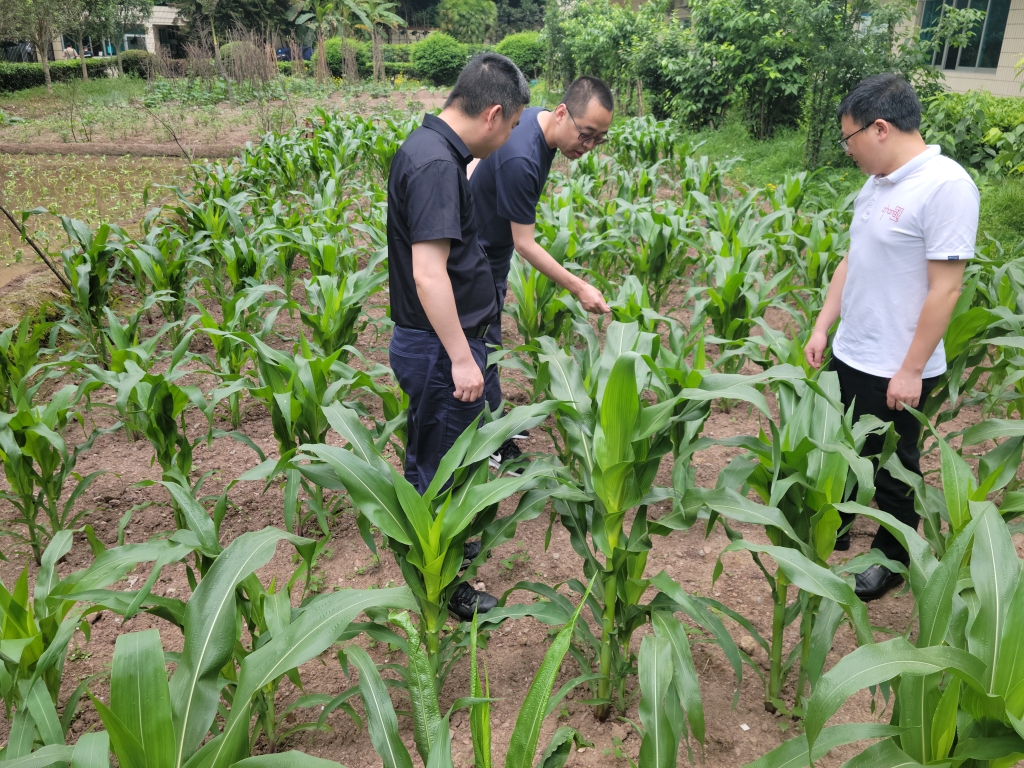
(21, 348)
(39, 468)
(958, 686)
(615, 441)
(803, 471)
(335, 316)
(427, 533)
(431, 729)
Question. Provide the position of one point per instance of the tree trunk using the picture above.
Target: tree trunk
(46, 68)
(81, 56)
(322, 73)
(378, 55)
(120, 64)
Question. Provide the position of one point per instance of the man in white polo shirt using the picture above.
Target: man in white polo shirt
(914, 226)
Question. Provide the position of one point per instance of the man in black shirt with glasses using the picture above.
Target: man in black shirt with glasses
(506, 188)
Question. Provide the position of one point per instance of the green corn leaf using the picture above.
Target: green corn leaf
(935, 601)
(125, 746)
(479, 714)
(659, 746)
(1009, 671)
(92, 751)
(619, 409)
(42, 757)
(210, 635)
(197, 518)
(817, 580)
(918, 699)
(944, 721)
(371, 492)
(992, 429)
(873, 664)
(793, 753)
(290, 759)
(380, 714)
(419, 680)
(884, 754)
(684, 670)
(738, 507)
(560, 747)
(139, 696)
(44, 714)
(489, 437)
(995, 570)
(526, 733)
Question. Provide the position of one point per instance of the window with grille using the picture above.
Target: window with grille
(982, 52)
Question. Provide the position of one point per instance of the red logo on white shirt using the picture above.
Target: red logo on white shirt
(893, 213)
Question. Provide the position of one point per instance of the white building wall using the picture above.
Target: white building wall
(163, 16)
(1000, 81)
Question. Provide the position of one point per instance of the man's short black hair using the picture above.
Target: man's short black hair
(886, 97)
(582, 90)
(489, 79)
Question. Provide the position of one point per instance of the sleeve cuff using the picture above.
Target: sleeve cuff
(950, 256)
(435, 234)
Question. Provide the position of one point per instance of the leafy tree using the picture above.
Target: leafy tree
(12, 13)
(122, 17)
(272, 15)
(377, 16)
(37, 26)
(468, 21)
(519, 16)
(84, 18)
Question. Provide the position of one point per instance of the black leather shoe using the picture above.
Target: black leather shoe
(875, 582)
(470, 550)
(843, 542)
(466, 600)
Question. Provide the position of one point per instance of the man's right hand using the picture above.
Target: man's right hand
(469, 381)
(592, 300)
(814, 351)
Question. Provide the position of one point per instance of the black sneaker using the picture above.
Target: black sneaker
(507, 454)
(466, 600)
(843, 542)
(470, 550)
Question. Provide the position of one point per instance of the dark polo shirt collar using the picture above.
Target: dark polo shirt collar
(435, 123)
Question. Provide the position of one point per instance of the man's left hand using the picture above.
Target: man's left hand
(904, 389)
(592, 300)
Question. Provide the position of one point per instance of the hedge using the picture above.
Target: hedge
(526, 49)
(440, 58)
(17, 76)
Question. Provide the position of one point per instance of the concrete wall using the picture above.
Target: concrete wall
(163, 16)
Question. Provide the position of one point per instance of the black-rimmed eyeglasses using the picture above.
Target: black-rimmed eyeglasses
(586, 138)
(844, 141)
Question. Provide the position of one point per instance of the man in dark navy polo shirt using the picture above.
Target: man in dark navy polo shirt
(442, 289)
(506, 188)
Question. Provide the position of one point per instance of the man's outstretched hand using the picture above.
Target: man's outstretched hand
(592, 300)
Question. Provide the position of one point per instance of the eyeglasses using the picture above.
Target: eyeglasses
(844, 141)
(586, 138)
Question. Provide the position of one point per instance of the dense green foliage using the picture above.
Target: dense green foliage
(439, 58)
(19, 76)
(468, 21)
(527, 50)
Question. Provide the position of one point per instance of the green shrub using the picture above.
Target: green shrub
(135, 63)
(1002, 212)
(335, 59)
(439, 58)
(527, 50)
(19, 76)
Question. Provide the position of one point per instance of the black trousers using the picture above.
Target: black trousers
(867, 394)
(436, 419)
(492, 378)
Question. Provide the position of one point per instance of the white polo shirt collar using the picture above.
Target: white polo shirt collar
(932, 150)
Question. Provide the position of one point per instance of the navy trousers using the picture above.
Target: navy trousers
(436, 419)
(492, 380)
(867, 394)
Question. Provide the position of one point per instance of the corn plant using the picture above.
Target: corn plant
(802, 471)
(249, 311)
(39, 467)
(431, 728)
(91, 263)
(654, 246)
(426, 533)
(959, 686)
(297, 390)
(613, 442)
(163, 263)
(21, 348)
(36, 631)
(335, 316)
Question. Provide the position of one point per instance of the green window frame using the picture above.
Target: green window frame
(987, 43)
